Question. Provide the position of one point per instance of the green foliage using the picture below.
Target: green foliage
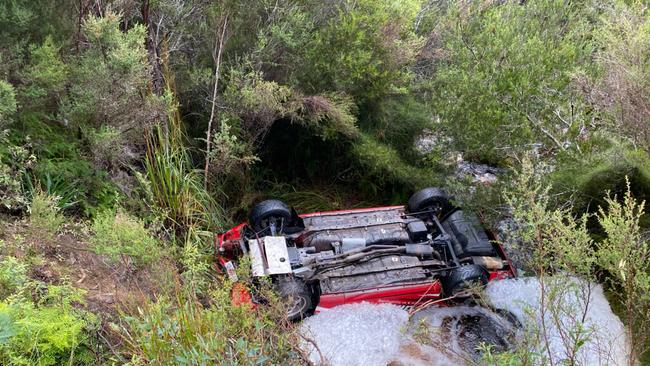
(587, 179)
(625, 254)
(316, 199)
(384, 164)
(26, 22)
(620, 91)
(7, 103)
(15, 162)
(196, 259)
(182, 331)
(115, 61)
(66, 192)
(500, 74)
(329, 116)
(175, 187)
(45, 217)
(228, 150)
(46, 74)
(108, 98)
(40, 324)
(106, 143)
(44, 333)
(258, 103)
(399, 121)
(65, 170)
(362, 48)
(13, 276)
(123, 237)
(553, 238)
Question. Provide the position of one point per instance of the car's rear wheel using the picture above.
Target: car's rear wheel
(296, 298)
(434, 200)
(460, 282)
(269, 214)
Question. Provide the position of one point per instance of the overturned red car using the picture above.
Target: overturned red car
(426, 251)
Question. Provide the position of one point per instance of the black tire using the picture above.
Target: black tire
(264, 212)
(463, 278)
(296, 297)
(430, 199)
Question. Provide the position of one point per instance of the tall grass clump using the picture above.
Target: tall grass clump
(176, 186)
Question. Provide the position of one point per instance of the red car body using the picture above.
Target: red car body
(404, 294)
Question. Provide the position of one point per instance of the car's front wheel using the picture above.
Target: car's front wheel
(270, 215)
(296, 298)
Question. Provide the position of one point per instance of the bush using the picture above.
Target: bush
(362, 48)
(7, 103)
(15, 162)
(124, 238)
(625, 254)
(621, 90)
(46, 75)
(588, 179)
(505, 68)
(40, 324)
(47, 332)
(13, 276)
(184, 332)
(45, 217)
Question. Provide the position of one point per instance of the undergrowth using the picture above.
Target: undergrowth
(124, 238)
(41, 324)
(183, 330)
(45, 217)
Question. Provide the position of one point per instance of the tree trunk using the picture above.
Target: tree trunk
(153, 51)
(219, 48)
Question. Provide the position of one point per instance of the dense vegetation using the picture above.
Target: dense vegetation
(131, 130)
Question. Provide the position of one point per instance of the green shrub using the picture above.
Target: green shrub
(384, 164)
(44, 214)
(586, 180)
(197, 257)
(7, 103)
(621, 89)
(123, 237)
(175, 188)
(47, 332)
(46, 75)
(15, 162)
(13, 276)
(107, 145)
(184, 332)
(505, 68)
(625, 254)
(362, 48)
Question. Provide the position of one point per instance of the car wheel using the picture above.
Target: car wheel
(296, 298)
(459, 281)
(430, 200)
(269, 213)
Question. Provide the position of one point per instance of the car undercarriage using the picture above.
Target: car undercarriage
(428, 250)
